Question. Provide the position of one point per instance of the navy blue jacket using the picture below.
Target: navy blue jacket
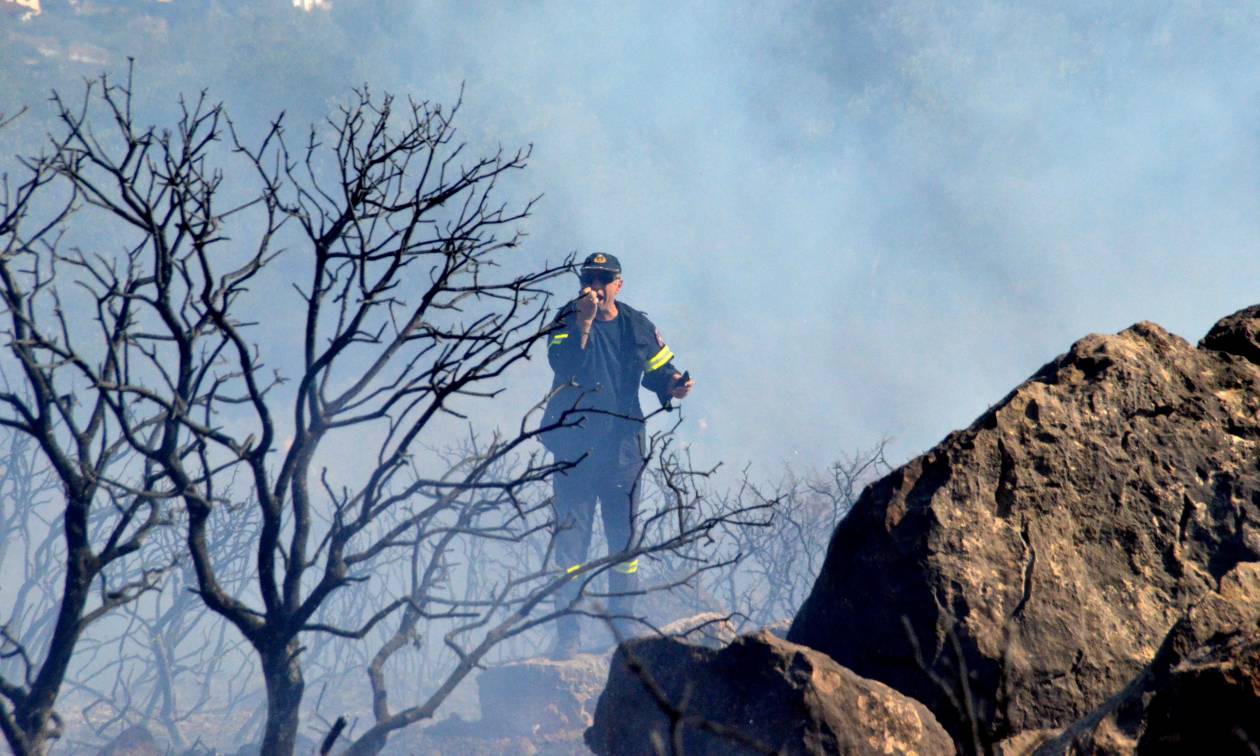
(651, 365)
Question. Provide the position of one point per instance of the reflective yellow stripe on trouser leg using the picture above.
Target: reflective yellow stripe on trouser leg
(628, 568)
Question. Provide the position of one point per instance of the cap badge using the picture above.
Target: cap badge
(600, 260)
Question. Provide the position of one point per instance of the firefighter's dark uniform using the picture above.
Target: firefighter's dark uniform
(606, 440)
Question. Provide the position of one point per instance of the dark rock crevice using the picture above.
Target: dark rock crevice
(1029, 566)
(1004, 493)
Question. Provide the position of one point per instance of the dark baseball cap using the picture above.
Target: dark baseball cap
(601, 261)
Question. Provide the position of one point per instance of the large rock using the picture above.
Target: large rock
(533, 706)
(1200, 693)
(541, 696)
(543, 706)
(756, 695)
(1237, 334)
(1026, 568)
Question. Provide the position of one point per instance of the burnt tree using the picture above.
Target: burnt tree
(101, 505)
(206, 320)
(381, 263)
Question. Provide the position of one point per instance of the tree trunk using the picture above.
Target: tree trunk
(283, 675)
(22, 745)
(33, 735)
(31, 726)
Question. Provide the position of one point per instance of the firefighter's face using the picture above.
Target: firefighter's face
(605, 284)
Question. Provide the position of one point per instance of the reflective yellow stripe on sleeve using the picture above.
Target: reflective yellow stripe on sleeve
(660, 359)
(558, 338)
(573, 569)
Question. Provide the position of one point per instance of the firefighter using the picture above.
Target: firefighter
(601, 350)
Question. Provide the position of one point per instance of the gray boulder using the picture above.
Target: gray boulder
(534, 706)
(539, 697)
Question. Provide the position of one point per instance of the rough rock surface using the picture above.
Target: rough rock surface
(541, 705)
(1210, 703)
(1200, 693)
(1237, 334)
(1028, 567)
(541, 696)
(758, 691)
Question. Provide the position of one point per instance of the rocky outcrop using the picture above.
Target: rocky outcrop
(757, 695)
(544, 706)
(1200, 693)
(1030, 566)
(1238, 334)
(541, 696)
(537, 706)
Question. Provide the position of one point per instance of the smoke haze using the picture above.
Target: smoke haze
(850, 220)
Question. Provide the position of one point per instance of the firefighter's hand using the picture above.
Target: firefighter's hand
(587, 304)
(679, 390)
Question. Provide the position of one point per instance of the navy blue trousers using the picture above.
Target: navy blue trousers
(608, 477)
